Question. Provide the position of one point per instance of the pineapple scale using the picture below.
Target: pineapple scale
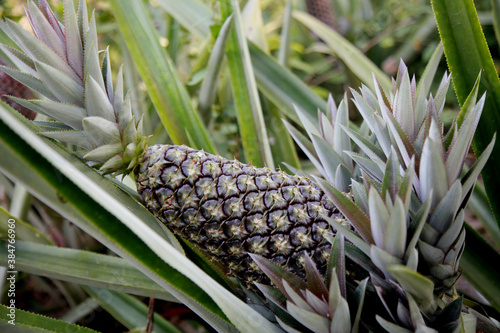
(230, 209)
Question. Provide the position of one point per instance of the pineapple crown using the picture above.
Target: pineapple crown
(61, 62)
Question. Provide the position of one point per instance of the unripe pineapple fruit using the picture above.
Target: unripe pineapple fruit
(230, 209)
(227, 208)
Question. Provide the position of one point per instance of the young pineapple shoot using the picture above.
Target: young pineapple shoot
(227, 208)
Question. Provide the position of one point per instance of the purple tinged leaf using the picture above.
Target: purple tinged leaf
(44, 31)
(35, 48)
(272, 294)
(83, 19)
(319, 305)
(92, 66)
(370, 149)
(74, 45)
(51, 17)
(314, 280)
(295, 296)
(349, 209)
(278, 274)
(403, 104)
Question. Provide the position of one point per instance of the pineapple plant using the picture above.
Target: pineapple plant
(226, 208)
(403, 216)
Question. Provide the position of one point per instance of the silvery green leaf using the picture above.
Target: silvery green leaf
(411, 259)
(418, 286)
(382, 259)
(361, 258)
(36, 49)
(429, 234)
(379, 217)
(341, 141)
(125, 114)
(97, 102)
(442, 272)
(470, 177)
(309, 319)
(287, 327)
(370, 149)
(294, 297)
(405, 187)
(69, 114)
(330, 160)
(74, 137)
(360, 196)
(74, 48)
(403, 315)
(392, 177)
(310, 128)
(306, 146)
(118, 92)
(319, 306)
(435, 134)
(83, 18)
(367, 111)
(92, 67)
(373, 167)
(391, 327)
(51, 126)
(455, 250)
(106, 73)
(462, 140)
(103, 153)
(341, 321)
(451, 233)
(395, 234)
(101, 131)
(12, 56)
(425, 82)
(441, 92)
(351, 236)
(382, 133)
(331, 108)
(444, 213)
(325, 125)
(44, 31)
(415, 313)
(343, 178)
(432, 173)
(62, 86)
(130, 133)
(335, 294)
(433, 255)
(29, 81)
(399, 137)
(416, 227)
(403, 106)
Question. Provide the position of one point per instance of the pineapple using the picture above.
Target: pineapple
(227, 208)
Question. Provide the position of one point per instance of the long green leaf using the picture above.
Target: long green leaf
(165, 87)
(27, 322)
(467, 55)
(115, 219)
(128, 310)
(248, 108)
(83, 267)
